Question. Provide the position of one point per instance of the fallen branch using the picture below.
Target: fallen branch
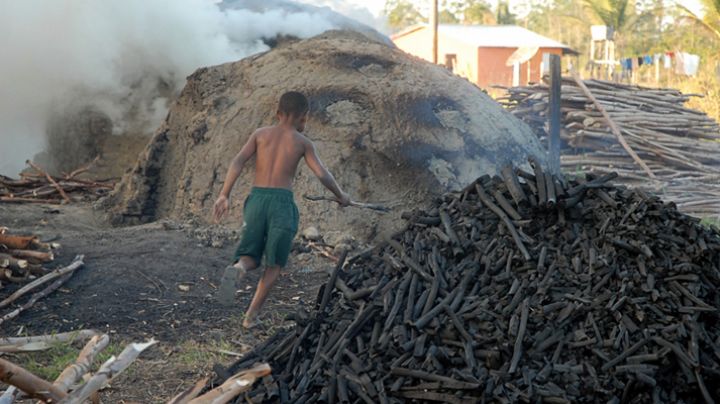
(42, 342)
(233, 386)
(109, 370)
(50, 180)
(35, 297)
(82, 364)
(30, 384)
(77, 263)
(189, 394)
(372, 206)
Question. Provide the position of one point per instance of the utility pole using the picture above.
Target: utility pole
(554, 114)
(434, 26)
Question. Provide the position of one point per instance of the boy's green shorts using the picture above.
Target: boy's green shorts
(270, 223)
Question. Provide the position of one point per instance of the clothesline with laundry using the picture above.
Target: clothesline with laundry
(683, 62)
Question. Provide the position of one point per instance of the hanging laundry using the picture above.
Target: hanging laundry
(667, 61)
(626, 64)
(648, 60)
(692, 63)
(640, 61)
(679, 62)
(634, 63)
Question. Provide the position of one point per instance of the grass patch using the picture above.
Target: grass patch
(48, 364)
(193, 354)
(711, 222)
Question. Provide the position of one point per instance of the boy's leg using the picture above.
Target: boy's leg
(249, 251)
(282, 227)
(232, 275)
(263, 288)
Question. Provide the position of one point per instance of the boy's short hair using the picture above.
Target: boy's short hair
(293, 103)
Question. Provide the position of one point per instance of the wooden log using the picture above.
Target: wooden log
(40, 256)
(42, 342)
(107, 372)
(17, 242)
(190, 393)
(71, 374)
(8, 396)
(28, 383)
(13, 262)
(235, 385)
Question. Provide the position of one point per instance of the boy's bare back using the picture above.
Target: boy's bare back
(278, 152)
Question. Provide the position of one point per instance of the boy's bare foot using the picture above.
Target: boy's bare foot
(228, 284)
(251, 322)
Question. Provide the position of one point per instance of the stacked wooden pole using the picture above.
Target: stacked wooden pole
(671, 149)
(22, 257)
(520, 288)
(37, 186)
(22, 272)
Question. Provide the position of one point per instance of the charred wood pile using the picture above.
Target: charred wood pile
(520, 288)
(38, 186)
(23, 261)
(676, 147)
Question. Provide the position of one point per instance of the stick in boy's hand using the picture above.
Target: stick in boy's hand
(372, 206)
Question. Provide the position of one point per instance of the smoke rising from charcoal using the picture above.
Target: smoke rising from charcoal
(125, 59)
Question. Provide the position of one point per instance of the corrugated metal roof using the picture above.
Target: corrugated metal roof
(492, 36)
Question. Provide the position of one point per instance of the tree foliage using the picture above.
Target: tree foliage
(710, 18)
(402, 14)
(503, 15)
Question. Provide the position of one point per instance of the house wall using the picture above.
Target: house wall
(419, 43)
(483, 66)
(492, 69)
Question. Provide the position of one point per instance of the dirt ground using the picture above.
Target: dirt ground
(130, 289)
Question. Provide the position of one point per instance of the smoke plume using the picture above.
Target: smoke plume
(123, 59)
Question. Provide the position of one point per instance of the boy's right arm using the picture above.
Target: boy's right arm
(222, 204)
(326, 178)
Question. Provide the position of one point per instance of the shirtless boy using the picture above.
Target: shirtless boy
(270, 216)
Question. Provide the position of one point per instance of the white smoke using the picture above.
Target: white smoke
(125, 58)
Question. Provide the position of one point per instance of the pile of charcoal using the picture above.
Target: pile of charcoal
(521, 288)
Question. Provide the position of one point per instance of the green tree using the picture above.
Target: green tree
(447, 17)
(710, 19)
(614, 13)
(402, 14)
(477, 12)
(503, 15)
(632, 24)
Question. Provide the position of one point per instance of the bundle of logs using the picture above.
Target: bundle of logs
(520, 288)
(662, 140)
(38, 186)
(22, 260)
(77, 383)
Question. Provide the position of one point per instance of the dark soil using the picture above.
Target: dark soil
(130, 289)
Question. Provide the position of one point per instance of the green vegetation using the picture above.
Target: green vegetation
(48, 364)
(712, 222)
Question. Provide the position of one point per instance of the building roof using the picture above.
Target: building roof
(492, 36)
